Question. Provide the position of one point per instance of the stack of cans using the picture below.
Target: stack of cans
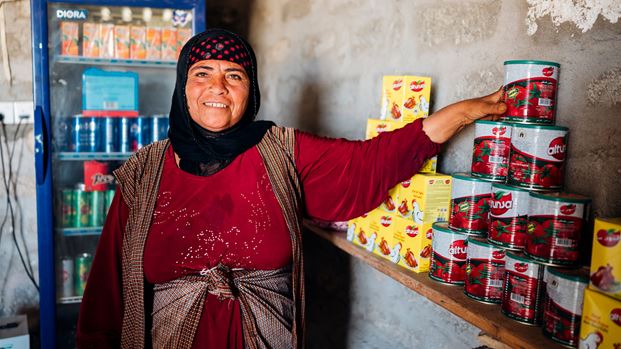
(115, 134)
(84, 209)
(75, 274)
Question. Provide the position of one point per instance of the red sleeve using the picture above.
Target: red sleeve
(343, 179)
(101, 311)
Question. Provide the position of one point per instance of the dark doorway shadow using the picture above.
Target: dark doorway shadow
(233, 15)
(328, 302)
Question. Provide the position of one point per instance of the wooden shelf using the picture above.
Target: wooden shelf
(487, 317)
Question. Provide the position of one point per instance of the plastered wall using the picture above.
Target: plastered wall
(321, 63)
(17, 293)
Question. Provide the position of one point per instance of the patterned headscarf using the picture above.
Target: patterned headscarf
(201, 151)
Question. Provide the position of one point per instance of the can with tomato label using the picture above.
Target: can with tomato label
(485, 269)
(522, 289)
(492, 146)
(530, 91)
(508, 216)
(470, 204)
(562, 311)
(448, 255)
(555, 223)
(537, 157)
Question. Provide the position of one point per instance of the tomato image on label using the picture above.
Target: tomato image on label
(532, 101)
(553, 240)
(529, 173)
(490, 158)
(470, 214)
(484, 280)
(521, 298)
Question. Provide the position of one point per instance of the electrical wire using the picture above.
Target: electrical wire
(6, 181)
(13, 182)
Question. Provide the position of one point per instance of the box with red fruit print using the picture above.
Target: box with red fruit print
(405, 98)
(606, 257)
(600, 326)
(424, 198)
(411, 244)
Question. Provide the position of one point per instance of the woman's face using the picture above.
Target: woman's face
(217, 93)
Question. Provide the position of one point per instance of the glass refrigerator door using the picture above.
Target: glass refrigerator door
(111, 77)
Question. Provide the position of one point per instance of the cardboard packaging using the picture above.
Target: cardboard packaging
(600, 326)
(69, 37)
(606, 257)
(405, 98)
(425, 198)
(14, 332)
(411, 246)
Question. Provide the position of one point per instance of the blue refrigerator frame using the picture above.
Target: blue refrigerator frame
(43, 144)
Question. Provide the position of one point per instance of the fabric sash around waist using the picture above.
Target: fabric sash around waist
(264, 296)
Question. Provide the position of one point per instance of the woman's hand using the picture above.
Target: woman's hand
(446, 122)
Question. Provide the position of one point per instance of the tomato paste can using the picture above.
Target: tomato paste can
(470, 204)
(492, 147)
(508, 216)
(485, 269)
(555, 223)
(530, 91)
(562, 311)
(448, 255)
(537, 157)
(522, 289)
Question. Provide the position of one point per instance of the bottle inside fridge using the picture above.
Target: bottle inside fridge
(111, 78)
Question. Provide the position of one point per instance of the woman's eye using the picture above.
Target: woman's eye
(235, 76)
(201, 74)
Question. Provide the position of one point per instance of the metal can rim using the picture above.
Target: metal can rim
(508, 187)
(555, 196)
(477, 240)
(541, 127)
(468, 177)
(489, 122)
(532, 61)
(521, 257)
(581, 274)
(444, 227)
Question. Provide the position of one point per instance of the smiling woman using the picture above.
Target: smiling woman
(205, 251)
(217, 93)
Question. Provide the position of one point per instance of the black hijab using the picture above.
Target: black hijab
(203, 152)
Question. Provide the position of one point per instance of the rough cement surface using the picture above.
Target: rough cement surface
(605, 90)
(582, 13)
(328, 81)
(456, 24)
(17, 294)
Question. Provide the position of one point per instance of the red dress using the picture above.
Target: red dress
(233, 218)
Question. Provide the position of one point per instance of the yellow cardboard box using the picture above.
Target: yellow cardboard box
(389, 205)
(405, 98)
(411, 244)
(425, 198)
(600, 326)
(606, 257)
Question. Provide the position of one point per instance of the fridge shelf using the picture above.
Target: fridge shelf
(66, 155)
(114, 61)
(70, 300)
(86, 231)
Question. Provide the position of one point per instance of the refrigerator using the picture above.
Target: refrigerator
(103, 76)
